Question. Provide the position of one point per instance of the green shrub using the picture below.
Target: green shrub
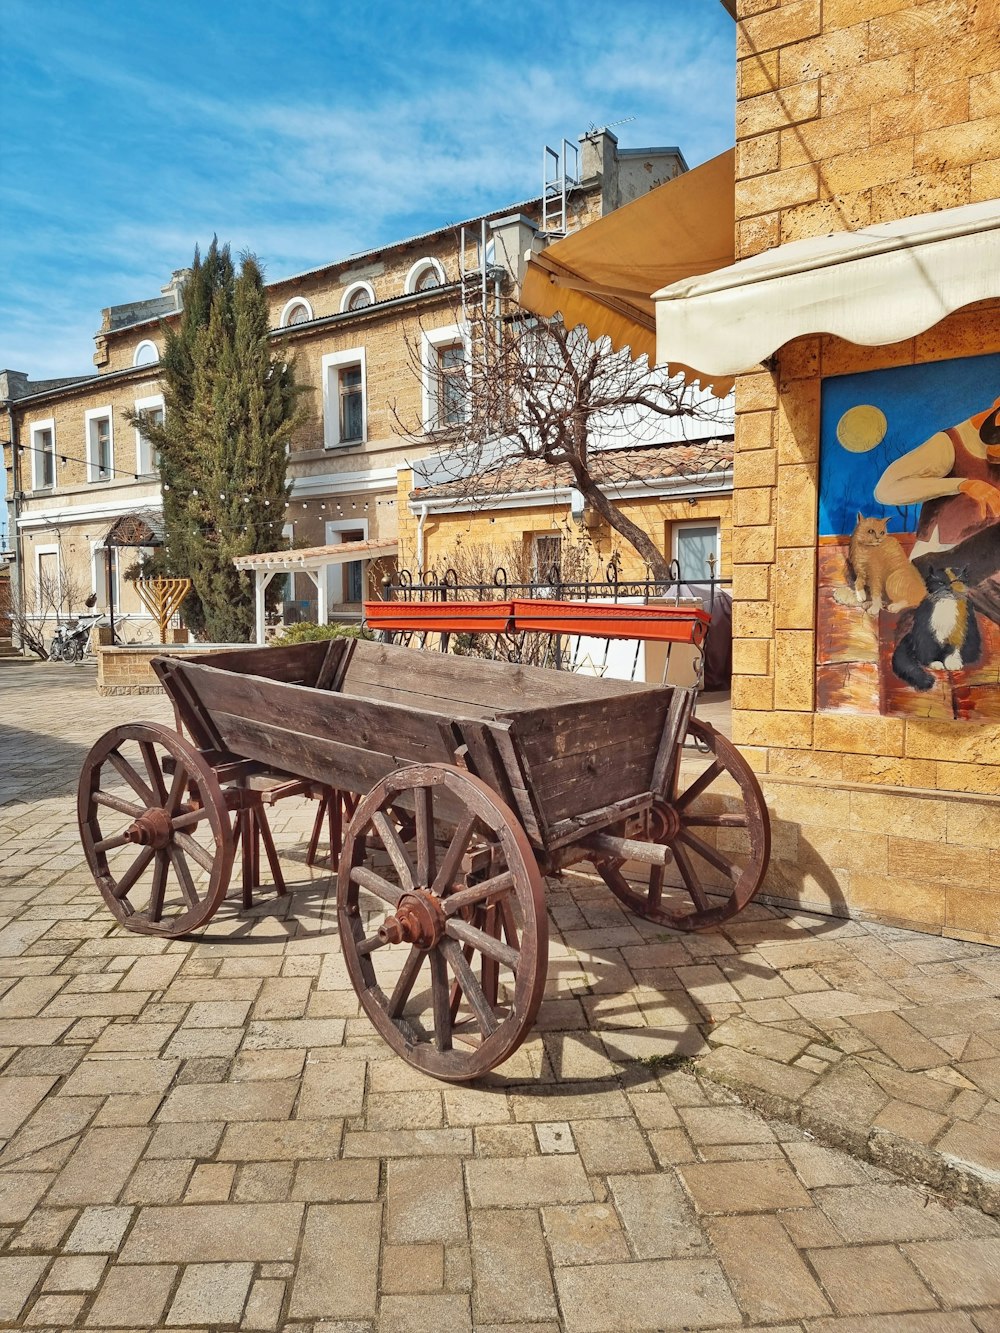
(308, 632)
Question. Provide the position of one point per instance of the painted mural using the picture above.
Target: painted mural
(908, 615)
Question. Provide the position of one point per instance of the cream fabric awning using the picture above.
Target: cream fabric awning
(602, 275)
(874, 286)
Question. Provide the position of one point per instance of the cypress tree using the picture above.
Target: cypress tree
(231, 404)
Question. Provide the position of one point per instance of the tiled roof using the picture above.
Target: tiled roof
(610, 467)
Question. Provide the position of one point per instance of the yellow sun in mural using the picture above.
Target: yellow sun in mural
(861, 428)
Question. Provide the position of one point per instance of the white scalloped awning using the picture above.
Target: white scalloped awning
(874, 286)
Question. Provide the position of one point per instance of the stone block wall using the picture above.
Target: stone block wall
(853, 112)
(850, 113)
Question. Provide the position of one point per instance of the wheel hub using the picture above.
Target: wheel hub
(664, 823)
(419, 919)
(151, 829)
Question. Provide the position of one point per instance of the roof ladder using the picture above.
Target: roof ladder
(560, 172)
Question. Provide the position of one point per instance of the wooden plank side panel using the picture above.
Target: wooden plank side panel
(499, 687)
(300, 711)
(592, 753)
(300, 663)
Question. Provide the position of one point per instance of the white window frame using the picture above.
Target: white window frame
(337, 574)
(431, 343)
(149, 404)
(293, 304)
(99, 554)
(676, 528)
(351, 292)
(35, 429)
(417, 272)
(146, 345)
(333, 363)
(90, 419)
(39, 551)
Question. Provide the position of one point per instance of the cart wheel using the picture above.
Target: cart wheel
(464, 896)
(731, 866)
(155, 829)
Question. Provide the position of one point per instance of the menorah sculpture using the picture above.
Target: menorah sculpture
(161, 598)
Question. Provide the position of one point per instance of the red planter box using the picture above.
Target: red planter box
(441, 617)
(659, 624)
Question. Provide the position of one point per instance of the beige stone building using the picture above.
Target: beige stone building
(376, 337)
(859, 322)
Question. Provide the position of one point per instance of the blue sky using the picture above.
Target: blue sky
(304, 131)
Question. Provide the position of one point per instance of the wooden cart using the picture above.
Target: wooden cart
(467, 782)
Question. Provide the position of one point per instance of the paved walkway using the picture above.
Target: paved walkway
(205, 1134)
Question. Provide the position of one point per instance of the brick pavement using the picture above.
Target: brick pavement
(206, 1134)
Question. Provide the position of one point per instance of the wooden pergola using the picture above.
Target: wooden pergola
(313, 561)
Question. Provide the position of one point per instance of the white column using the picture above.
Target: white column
(261, 579)
(322, 613)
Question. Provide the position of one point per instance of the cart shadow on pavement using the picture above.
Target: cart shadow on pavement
(36, 766)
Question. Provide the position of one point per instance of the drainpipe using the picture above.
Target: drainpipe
(421, 520)
(14, 537)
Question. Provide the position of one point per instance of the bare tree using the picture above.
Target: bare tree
(50, 597)
(526, 392)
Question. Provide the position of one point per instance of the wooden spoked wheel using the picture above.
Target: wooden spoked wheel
(445, 934)
(155, 829)
(719, 833)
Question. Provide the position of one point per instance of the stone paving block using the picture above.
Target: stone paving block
(583, 1233)
(650, 1294)
(729, 1065)
(264, 1182)
(404, 1110)
(658, 1219)
(505, 1141)
(724, 1124)
(425, 1202)
(55, 1311)
(158, 1181)
(100, 1166)
(284, 997)
(409, 1143)
(870, 1279)
(211, 1294)
(742, 1187)
(425, 1314)
(185, 1139)
(295, 1034)
(816, 1166)
(510, 1266)
(251, 1066)
(571, 1105)
(961, 1272)
(324, 1181)
(18, 1098)
(99, 1231)
(20, 1192)
(872, 1214)
(892, 1034)
(337, 1275)
(611, 1145)
(412, 1269)
(210, 1182)
(809, 1228)
(18, 1278)
(29, 996)
(768, 1276)
(263, 1310)
(230, 1101)
(537, 1181)
(773, 1043)
(204, 1043)
(196, 1233)
(32, 1031)
(132, 1295)
(113, 1005)
(76, 1273)
(281, 1140)
(218, 1014)
(101, 1078)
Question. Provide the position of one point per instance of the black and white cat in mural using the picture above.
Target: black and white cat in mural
(944, 634)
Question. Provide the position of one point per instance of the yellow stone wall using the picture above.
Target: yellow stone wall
(853, 112)
(503, 526)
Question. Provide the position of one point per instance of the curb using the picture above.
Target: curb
(952, 1179)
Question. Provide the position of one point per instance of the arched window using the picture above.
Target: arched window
(424, 275)
(357, 296)
(146, 354)
(297, 311)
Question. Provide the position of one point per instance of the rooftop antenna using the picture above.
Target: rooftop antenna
(593, 129)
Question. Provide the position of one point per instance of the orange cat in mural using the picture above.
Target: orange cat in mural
(882, 573)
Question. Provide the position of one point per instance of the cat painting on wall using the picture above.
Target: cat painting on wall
(882, 573)
(944, 635)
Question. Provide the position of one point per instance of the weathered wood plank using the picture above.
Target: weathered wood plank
(299, 663)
